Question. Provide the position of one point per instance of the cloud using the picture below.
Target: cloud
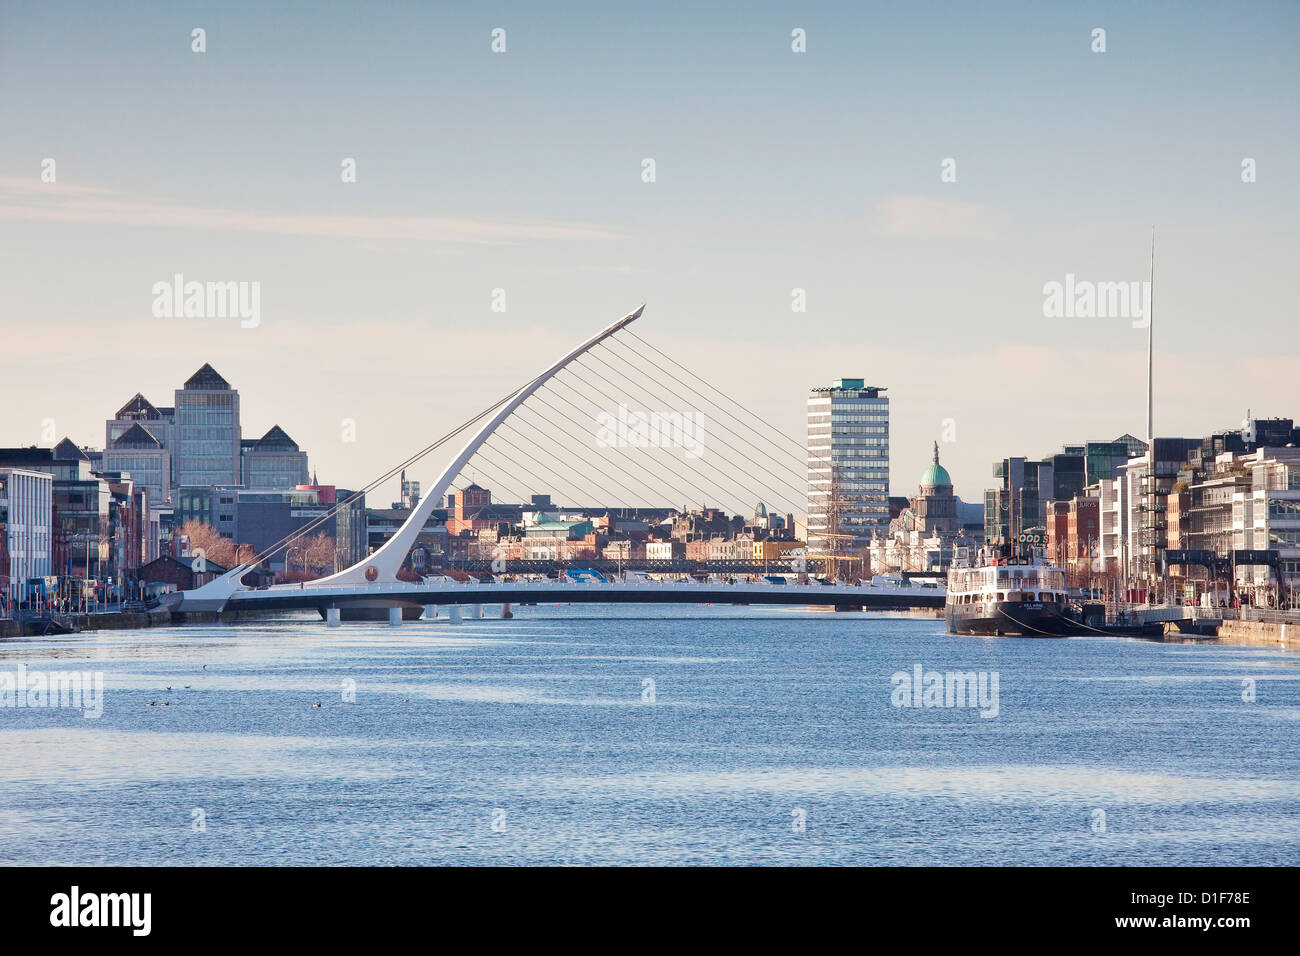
(926, 217)
(26, 201)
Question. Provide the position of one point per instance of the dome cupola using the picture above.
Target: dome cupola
(936, 476)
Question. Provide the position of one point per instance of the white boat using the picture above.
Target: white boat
(998, 595)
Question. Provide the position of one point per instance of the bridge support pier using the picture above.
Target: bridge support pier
(506, 612)
(332, 617)
(476, 611)
(453, 614)
(430, 612)
(394, 617)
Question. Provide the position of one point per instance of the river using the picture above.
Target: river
(621, 735)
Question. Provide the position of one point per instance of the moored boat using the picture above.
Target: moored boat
(1002, 595)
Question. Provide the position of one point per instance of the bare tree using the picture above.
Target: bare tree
(215, 546)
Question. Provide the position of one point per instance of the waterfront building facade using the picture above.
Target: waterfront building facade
(848, 466)
(26, 519)
(1150, 480)
(923, 536)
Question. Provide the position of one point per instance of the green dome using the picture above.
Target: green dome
(936, 474)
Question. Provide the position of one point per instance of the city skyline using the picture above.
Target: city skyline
(585, 434)
(776, 171)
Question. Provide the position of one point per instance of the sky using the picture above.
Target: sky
(775, 170)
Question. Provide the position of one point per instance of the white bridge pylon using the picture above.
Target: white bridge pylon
(381, 567)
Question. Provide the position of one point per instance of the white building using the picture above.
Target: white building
(1112, 516)
(848, 466)
(26, 513)
(1267, 518)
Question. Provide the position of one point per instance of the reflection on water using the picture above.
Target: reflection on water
(685, 735)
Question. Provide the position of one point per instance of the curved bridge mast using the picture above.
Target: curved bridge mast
(382, 566)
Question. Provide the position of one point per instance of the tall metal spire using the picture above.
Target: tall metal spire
(1151, 307)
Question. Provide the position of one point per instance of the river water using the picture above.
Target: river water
(616, 735)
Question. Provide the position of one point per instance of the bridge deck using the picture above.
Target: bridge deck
(393, 595)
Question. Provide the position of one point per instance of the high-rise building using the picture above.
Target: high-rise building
(26, 519)
(142, 412)
(1104, 458)
(1150, 479)
(1019, 503)
(848, 465)
(207, 451)
(273, 461)
(138, 452)
(1266, 432)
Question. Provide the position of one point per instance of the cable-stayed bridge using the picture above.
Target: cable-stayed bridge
(616, 422)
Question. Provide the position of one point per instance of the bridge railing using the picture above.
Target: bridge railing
(1123, 613)
(1269, 615)
(399, 587)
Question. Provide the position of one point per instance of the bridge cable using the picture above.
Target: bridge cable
(474, 479)
(602, 491)
(706, 494)
(721, 487)
(800, 474)
(778, 496)
(288, 539)
(719, 491)
(635, 474)
(778, 431)
(582, 461)
(511, 464)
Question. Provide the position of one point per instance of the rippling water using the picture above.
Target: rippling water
(546, 727)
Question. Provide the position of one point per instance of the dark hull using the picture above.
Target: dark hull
(1009, 619)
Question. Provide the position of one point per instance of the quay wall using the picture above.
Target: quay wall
(92, 622)
(1260, 634)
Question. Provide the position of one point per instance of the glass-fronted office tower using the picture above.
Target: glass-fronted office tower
(848, 465)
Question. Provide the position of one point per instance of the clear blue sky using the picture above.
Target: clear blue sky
(775, 170)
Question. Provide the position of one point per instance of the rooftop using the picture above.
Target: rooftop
(137, 436)
(207, 379)
(139, 407)
(850, 385)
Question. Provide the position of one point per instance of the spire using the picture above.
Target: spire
(1151, 307)
(936, 453)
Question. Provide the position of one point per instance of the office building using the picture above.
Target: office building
(848, 466)
(207, 446)
(273, 461)
(26, 520)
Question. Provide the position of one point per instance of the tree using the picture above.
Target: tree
(216, 547)
(320, 553)
(307, 558)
